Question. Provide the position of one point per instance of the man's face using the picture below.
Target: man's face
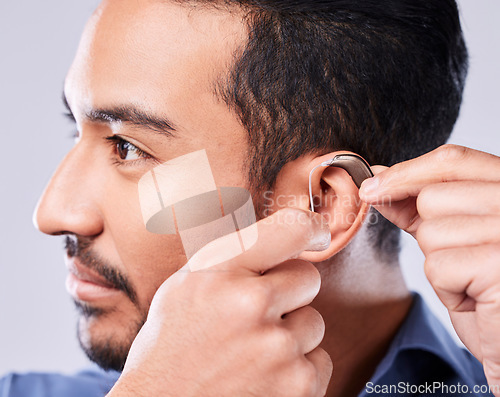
(149, 63)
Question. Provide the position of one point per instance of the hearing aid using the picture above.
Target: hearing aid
(355, 165)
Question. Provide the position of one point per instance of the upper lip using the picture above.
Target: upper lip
(83, 273)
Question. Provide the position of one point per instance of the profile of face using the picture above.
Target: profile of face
(142, 92)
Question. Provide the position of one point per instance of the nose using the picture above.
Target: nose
(69, 204)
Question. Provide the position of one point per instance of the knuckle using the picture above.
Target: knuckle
(326, 360)
(305, 378)
(299, 224)
(492, 371)
(452, 153)
(306, 276)
(324, 371)
(426, 236)
(425, 201)
(309, 380)
(253, 302)
(314, 320)
(493, 253)
(291, 216)
(432, 269)
(492, 295)
(319, 323)
(173, 285)
(283, 340)
(291, 212)
(309, 270)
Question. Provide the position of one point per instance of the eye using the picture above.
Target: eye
(125, 150)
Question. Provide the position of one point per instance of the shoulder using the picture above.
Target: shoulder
(83, 384)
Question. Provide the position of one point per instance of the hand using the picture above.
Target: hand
(449, 200)
(239, 328)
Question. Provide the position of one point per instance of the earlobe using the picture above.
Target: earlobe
(335, 195)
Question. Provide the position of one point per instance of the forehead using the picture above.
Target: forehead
(153, 54)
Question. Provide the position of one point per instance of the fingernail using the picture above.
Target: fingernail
(323, 238)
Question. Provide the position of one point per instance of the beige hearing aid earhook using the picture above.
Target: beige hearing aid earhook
(355, 165)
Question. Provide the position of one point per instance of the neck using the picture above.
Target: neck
(363, 302)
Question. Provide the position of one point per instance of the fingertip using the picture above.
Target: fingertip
(371, 186)
(324, 237)
(368, 189)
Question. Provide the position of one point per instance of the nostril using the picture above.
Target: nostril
(62, 233)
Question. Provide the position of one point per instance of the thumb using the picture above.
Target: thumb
(402, 213)
(378, 169)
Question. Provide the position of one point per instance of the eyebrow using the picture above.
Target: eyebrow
(128, 115)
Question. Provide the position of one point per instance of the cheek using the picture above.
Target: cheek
(147, 259)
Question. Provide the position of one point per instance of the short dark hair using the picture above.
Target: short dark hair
(383, 79)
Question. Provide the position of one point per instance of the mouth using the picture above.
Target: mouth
(84, 284)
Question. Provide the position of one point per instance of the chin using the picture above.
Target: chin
(107, 335)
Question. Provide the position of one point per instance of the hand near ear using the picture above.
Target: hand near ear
(449, 200)
(238, 327)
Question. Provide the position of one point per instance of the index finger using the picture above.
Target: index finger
(444, 164)
(279, 237)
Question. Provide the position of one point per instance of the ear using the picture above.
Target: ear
(335, 196)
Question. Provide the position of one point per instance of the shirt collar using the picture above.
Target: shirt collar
(423, 331)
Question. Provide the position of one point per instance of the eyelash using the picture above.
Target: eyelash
(69, 116)
(115, 140)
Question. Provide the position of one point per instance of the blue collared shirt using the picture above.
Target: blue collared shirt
(91, 383)
(423, 360)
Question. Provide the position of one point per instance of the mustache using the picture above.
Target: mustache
(81, 249)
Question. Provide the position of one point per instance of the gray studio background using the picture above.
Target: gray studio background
(37, 42)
